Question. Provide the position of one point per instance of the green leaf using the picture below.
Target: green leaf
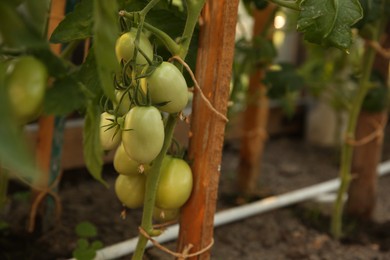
(106, 32)
(37, 13)
(260, 51)
(328, 22)
(64, 97)
(166, 20)
(88, 75)
(84, 254)
(14, 32)
(82, 243)
(283, 80)
(76, 25)
(372, 11)
(55, 65)
(86, 229)
(96, 245)
(377, 97)
(14, 153)
(93, 152)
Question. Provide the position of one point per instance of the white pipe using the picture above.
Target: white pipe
(226, 216)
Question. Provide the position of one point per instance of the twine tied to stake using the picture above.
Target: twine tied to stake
(385, 53)
(181, 256)
(38, 199)
(376, 134)
(204, 98)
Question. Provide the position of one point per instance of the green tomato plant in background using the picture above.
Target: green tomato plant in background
(328, 24)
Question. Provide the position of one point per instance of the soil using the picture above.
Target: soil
(295, 232)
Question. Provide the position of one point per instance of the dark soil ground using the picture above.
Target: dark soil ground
(295, 232)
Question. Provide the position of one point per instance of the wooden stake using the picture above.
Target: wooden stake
(362, 191)
(47, 124)
(213, 71)
(255, 117)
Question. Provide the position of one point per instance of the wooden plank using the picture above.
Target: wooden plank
(214, 65)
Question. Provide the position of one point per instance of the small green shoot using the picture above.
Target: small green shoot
(86, 249)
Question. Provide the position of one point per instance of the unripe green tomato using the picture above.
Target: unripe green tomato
(130, 190)
(143, 134)
(123, 164)
(108, 138)
(123, 100)
(175, 185)
(124, 48)
(26, 80)
(165, 215)
(167, 85)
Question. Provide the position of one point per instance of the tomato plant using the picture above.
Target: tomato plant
(165, 215)
(26, 81)
(110, 135)
(130, 190)
(143, 134)
(175, 184)
(123, 164)
(168, 88)
(122, 101)
(125, 45)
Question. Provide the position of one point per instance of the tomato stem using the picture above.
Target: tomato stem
(67, 52)
(148, 7)
(152, 180)
(194, 8)
(347, 148)
(169, 43)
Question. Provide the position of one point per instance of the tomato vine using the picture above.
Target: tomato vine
(81, 87)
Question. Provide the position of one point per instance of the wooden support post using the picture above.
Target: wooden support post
(213, 72)
(255, 117)
(46, 123)
(48, 133)
(363, 187)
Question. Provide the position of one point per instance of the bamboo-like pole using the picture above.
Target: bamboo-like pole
(213, 72)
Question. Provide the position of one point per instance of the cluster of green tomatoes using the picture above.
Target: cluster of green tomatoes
(146, 92)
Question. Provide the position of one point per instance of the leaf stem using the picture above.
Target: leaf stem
(194, 7)
(148, 7)
(169, 43)
(68, 50)
(347, 148)
(288, 4)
